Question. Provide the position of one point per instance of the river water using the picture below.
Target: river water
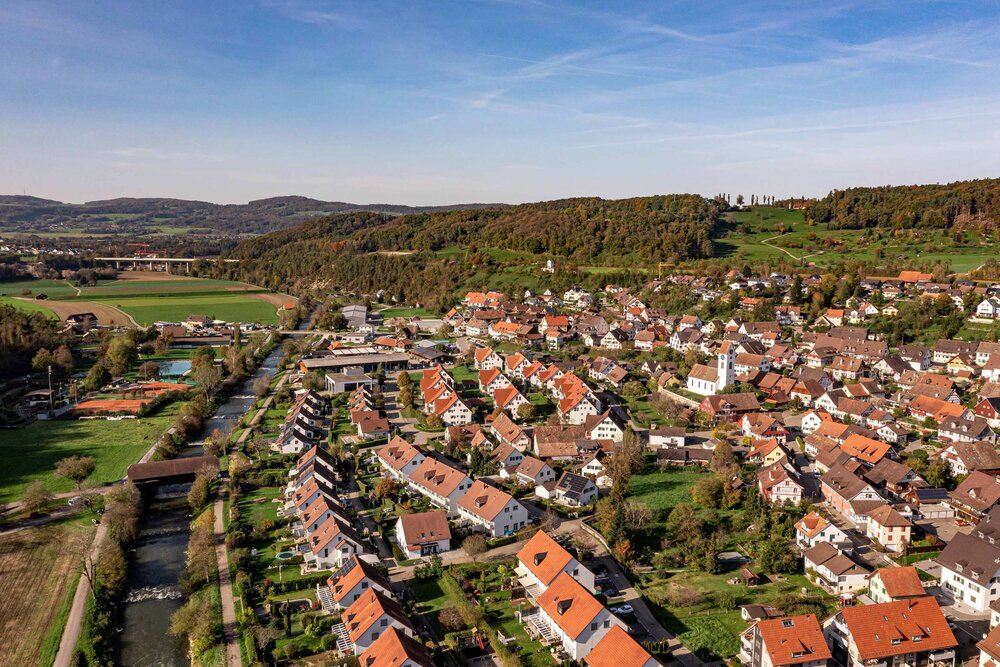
(144, 638)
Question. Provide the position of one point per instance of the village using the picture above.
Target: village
(476, 439)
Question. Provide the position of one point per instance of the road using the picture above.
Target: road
(71, 632)
(233, 656)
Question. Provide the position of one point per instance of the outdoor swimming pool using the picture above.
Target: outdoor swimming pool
(174, 369)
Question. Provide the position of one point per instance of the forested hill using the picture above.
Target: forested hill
(133, 215)
(974, 204)
(427, 257)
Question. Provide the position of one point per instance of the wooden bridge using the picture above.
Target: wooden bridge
(174, 471)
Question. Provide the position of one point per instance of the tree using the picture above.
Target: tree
(97, 377)
(938, 473)
(723, 460)
(708, 492)
(450, 618)
(683, 521)
(433, 422)
(388, 488)
(525, 412)
(405, 396)
(475, 546)
(551, 520)
(121, 354)
(149, 370)
(62, 361)
(198, 494)
(76, 469)
(625, 462)
(36, 496)
(314, 380)
(261, 384)
(633, 389)
(42, 361)
(404, 380)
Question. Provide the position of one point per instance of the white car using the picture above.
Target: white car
(623, 609)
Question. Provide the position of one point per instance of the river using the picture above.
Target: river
(144, 640)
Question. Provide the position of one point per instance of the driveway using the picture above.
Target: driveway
(862, 546)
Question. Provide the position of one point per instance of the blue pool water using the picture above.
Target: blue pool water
(174, 369)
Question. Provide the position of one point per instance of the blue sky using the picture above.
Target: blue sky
(443, 101)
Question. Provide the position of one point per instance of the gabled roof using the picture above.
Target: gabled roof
(569, 605)
(393, 649)
(397, 453)
(900, 582)
(437, 477)
(793, 640)
(617, 649)
(811, 524)
(484, 501)
(346, 579)
(425, 527)
(865, 449)
(885, 515)
(896, 628)
(544, 557)
(368, 609)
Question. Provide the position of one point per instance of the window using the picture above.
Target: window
(593, 627)
(384, 622)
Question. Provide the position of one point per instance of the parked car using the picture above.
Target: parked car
(623, 609)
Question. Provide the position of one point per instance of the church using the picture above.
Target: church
(708, 380)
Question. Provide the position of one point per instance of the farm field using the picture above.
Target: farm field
(406, 312)
(149, 297)
(31, 452)
(222, 306)
(38, 575)
(28, 306)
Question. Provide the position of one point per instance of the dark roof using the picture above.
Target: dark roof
(573, 485)
(139, 472)
(973, 558)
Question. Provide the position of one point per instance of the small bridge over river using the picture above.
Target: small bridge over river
(174, 471)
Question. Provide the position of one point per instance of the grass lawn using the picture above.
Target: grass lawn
(661, 490)
(713, 632)
(407, 312)
(38, 576)
(31, 452)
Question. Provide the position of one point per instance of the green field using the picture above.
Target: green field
(31, 452)
(148, 301)
(407, 312)
(232, 307)
(776, 233)
(28, 306)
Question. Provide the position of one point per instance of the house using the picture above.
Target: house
(812, 529)
(966, 457)
(970, 565)
(353, 580)
(728, 407)
(666, 436)
(976, 495)
(423, 534)
(888, 584)
(593, 468)
(866, 450)
(989, 647)
(617, 648)
(509, 399)
(571, 489)
(441, 483)
(608, 425)
(529, 472)
(813, 419)
(493, 510)
(542, 559)
(452, 411)
(905, 632)
(849, 494)
(504, 428)
(957, 429)
(895, 478)
(888, 527)
(829, 567)
(399, 458)
(989, 409)
(988, 308)
(370, 616)
(778, 485)
(332, 544)
(397, 649)
(574, 617)
(780, 642)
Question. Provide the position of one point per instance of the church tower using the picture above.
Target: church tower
(727, 365)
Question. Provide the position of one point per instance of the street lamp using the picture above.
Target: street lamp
(51, 408)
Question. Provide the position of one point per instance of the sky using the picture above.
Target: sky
(446, 101)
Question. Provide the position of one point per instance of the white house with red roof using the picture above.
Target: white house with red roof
(494, 511)
(574, 616)
(441, 483)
